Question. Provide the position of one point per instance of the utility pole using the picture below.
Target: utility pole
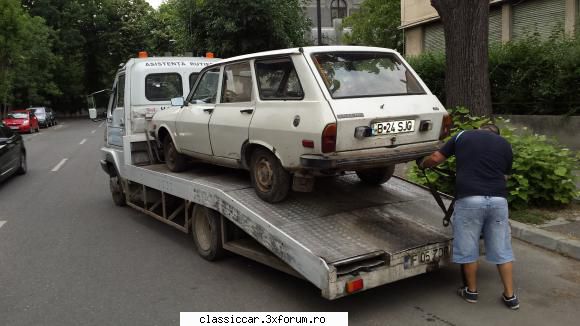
(319, 21)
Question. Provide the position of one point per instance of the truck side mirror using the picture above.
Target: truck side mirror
(93, 113)
(177, 101)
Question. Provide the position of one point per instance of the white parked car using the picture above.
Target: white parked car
(291, 115)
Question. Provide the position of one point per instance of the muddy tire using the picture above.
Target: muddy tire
(376, 176)
(175, 161)
(117, 192)
(269, 178)
(207, 233)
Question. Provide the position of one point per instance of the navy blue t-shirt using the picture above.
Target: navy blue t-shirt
(483, 159)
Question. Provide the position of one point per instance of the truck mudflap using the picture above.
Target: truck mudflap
(342, 232)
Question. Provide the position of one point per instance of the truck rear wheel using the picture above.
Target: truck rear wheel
(175, 161)
(117, 191)
(207, 233)
(376, 176)
(269, 178)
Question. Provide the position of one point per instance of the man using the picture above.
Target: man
(484, 160)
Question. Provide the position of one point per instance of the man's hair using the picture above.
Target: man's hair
(491, 127)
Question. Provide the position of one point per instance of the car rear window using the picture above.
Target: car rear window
(365, 74)
(163, 87)
(18, 115)
(278, 80)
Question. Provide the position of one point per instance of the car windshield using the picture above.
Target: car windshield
(18, 115)
(365, 74)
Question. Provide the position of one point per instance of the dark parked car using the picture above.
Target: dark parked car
(12, 153)
(44, 115)
(22, 121)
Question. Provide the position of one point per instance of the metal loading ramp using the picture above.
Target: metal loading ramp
(341, 221)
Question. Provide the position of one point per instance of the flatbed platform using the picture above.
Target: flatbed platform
(341, 227)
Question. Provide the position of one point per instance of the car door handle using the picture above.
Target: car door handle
(208, 110)
(247, 111)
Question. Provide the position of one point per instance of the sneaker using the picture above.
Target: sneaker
(467, 295)
(513, 303)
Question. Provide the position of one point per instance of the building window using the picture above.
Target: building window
(338, 9)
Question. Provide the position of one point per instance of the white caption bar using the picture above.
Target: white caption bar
(263, 318)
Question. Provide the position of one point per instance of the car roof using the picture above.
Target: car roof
(306, 50)
(19, 111)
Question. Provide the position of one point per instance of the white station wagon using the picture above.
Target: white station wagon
(291, 115)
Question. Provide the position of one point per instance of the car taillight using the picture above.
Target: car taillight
(446, 126)
(329, 138)
(25, 122)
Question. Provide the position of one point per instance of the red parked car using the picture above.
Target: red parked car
(22, 121)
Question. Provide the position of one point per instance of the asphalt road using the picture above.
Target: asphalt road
(68, 256)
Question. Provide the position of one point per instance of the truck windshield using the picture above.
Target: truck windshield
(365, 74)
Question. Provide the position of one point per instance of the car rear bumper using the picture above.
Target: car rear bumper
(368, 158)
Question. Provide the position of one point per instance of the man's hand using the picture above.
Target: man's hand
(420, 161)
(430, 161)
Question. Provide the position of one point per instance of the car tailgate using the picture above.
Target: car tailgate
(365, 112)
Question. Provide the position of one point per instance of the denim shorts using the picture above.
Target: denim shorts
(475, 215)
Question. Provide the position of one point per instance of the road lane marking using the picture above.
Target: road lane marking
(2, 223)
(59, 165)
(83, 141)
(101, 124)
(92, 132)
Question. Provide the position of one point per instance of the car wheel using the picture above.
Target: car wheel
(22, 166)
(269, 178)
(207, 233)
(376, 176)
(175, 161)
(117, 192)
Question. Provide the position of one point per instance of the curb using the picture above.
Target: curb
(546, 239)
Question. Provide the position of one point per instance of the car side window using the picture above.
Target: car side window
(163, 87)
(237, 83)
(278, 80)
(206, 90)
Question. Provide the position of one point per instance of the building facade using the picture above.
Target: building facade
(332, 12)
(508, 20)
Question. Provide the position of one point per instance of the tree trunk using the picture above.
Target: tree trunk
(466, 26)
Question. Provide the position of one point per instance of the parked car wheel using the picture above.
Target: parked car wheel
(270, 180)
(22, 167)
(376, 176)
(117, 192)
(207, 233)
(175, 161)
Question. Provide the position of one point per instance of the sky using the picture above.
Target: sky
(155, 3)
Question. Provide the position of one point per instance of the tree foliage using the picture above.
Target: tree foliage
(376, 24)
(26, 60)
(219, 26)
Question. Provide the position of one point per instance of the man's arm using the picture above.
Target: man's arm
(432, 160)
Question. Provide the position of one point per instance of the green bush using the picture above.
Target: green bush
(542, 171)
(529, 76)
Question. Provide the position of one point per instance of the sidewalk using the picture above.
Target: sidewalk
(561, 235)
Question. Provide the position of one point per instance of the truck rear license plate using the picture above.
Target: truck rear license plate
(426, 256)
(393, 127)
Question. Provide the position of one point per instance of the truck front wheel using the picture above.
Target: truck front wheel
(207, 232)
(117, 191)
(269, 178)
(376, 176)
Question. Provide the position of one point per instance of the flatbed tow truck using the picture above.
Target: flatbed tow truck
(345, 237)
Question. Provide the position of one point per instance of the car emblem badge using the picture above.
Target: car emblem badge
(296, 121)
(393, 140)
